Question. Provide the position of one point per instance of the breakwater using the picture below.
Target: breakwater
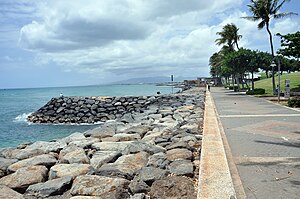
(94, 109)
(138, 155)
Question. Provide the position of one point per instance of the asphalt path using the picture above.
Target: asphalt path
(264, 139)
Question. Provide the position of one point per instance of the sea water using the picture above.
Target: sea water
(17, 104)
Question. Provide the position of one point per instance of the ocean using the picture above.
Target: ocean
(17, 104)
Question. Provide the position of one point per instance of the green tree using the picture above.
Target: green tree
(264, 11)
(290, 45)
(215, 62)
(229, 36)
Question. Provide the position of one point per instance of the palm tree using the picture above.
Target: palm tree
(263, 11)
(229, 36)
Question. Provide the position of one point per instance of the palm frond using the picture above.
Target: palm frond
(261, 25)
(251, 18)
(284, 14)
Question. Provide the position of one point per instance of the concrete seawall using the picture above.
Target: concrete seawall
(93, 109)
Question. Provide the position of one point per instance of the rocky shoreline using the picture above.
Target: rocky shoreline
(150, 153)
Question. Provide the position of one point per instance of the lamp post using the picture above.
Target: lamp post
(273, 65)
(273, 82)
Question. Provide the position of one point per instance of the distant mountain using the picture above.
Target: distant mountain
(152, 80)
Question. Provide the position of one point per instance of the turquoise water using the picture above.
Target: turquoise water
(16, 104)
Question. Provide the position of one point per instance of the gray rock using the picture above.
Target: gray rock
(150, 174)
(141, 129)
(73, 154)
(44, 159)
(73, 137)
(8, 193)
(137, 146)
(182, 167)
(47, 147)
(24, 177)
(173, 187)
(111, 146)
(50, 188)
(101, 132)
(158, 160)
(102, 157)
(138, 186)
(21, 153)
(138, 196)
(177, 145)
(104, 187)
(84, 143)
(125, 165)
(176, 154)
(4, 164)
(61, 170)
(127, 137)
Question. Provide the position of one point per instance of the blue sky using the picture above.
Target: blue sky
(83, 42)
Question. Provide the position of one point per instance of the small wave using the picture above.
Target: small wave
(22, 117)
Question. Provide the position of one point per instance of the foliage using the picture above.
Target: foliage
(290, 44)
(257, 91)
(294, 102)
(263, 11)
(229, 36)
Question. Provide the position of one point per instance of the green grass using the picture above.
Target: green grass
(267, 83)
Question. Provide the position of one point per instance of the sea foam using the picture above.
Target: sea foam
(22, 117)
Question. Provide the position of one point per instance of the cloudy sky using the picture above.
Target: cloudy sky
(83, 42)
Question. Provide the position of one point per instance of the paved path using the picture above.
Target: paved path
(264, 139)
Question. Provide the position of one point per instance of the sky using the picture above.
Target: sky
(83, 42)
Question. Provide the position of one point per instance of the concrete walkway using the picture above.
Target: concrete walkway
(264, 141)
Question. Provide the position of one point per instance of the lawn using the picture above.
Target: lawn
(267, 83)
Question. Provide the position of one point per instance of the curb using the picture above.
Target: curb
(214, 175)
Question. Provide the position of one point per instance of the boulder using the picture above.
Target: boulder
(138, 186)
(61, 170)
(84, 143)
(101, 132)
(102, 157)
(111, 146)
(24, 177)
(8, 193)
(150, 174)
(125, 165)
(44, 159)
(158, 160)
(50, 188)
(173, 187)
(86, 197)
(137, 146)
(177, 153)
(177, 145)
(127, 137)
(47, 147)
(73, 154)
(138, 196)
(104, 187)
(140, 129)
(22, 153)
(73, 137)
(182, 167)
(4, 164)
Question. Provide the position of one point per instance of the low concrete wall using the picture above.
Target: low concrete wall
(92, 109)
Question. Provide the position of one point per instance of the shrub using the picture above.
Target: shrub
(294, 102)
(256, 91)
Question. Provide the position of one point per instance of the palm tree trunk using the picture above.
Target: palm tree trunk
(237, 45)
(272, 51)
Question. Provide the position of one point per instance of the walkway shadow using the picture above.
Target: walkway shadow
(288, 144)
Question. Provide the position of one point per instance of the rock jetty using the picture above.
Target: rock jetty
(151, 152)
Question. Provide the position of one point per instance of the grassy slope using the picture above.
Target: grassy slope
(267, 83)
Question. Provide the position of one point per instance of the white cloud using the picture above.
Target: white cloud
(134, 37)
